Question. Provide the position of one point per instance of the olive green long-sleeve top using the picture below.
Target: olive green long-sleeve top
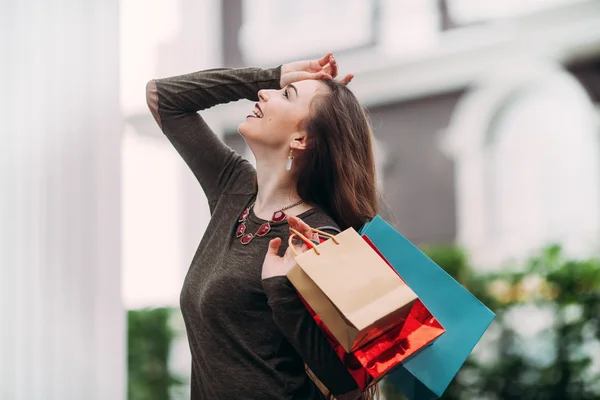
(249, 338)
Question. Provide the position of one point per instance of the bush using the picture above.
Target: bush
(149, 338)
(509, 366)
(503, 367)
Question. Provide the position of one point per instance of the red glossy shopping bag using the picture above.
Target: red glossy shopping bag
(370, 363)
(389, 344)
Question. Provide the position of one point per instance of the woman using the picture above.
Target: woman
(249, 333)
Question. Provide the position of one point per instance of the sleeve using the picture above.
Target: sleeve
(174, 103)
(300, 329)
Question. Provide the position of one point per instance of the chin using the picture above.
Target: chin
(247, 131)
(241, 128)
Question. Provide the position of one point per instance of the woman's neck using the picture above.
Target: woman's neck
(276, 190)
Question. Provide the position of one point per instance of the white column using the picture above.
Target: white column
(62, 326)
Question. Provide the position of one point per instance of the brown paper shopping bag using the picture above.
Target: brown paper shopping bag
(351, 288)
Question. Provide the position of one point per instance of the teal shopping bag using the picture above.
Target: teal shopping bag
(465, 318)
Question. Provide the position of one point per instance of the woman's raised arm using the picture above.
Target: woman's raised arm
(174, 103)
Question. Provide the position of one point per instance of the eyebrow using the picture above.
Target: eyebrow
(293, 87)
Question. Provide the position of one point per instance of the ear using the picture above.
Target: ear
(298, 141)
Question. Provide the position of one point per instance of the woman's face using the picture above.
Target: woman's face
(277, 120)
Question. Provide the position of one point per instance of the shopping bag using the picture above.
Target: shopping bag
(370, 362)
(354, 292)
(464, 317)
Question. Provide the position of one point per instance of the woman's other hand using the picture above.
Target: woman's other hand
(323, 68)
(280, 266)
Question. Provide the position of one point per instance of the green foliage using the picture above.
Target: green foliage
(149, 343)
(505, 367)
(452, 259)
(500, 369)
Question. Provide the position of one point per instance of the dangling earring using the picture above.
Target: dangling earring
(288, 164)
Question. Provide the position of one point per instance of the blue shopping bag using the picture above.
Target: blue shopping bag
(465, 318)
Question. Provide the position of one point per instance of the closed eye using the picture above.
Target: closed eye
(286, 93)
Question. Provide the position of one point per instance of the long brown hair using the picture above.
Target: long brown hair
(337, 169)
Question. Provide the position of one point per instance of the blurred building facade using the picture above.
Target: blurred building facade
(485, 120)
(486, 126)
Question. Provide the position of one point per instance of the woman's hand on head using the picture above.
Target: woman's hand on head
(280, 266)
(323, 68)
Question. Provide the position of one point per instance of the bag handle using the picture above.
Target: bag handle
(306, 240)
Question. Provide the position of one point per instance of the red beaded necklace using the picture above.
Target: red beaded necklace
(265, 228)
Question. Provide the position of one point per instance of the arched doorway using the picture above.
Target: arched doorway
(527, 164)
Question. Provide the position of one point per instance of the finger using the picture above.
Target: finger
(346, 80)
(320, 75)
(334, 66)
(318, 65)
(315, 237)
(292, 221)
(295, 77)
(274, 247)
(302, 76)
(300, 226)
(323, 61)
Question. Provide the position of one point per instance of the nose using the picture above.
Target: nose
(263, 95)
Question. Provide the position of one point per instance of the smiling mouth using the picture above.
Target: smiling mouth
(257, 112)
